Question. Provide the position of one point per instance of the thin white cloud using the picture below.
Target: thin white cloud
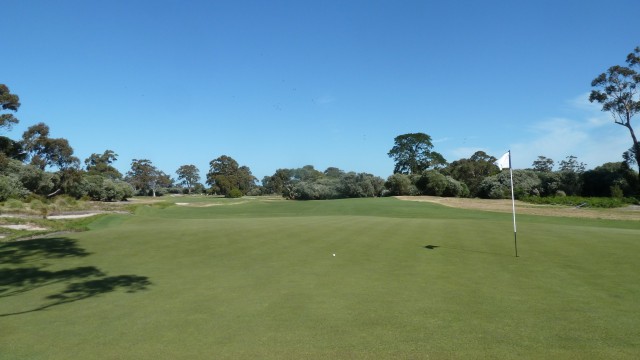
(324, 100)
(581, 102)
(593, 113)
(592, 140)
(600, 121)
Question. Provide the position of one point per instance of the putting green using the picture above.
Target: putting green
(255, 278)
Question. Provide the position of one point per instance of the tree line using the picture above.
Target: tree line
(38, 165)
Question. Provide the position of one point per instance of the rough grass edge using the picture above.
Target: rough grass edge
(52, 226)
(593, 202)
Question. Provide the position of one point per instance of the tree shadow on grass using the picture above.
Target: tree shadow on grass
(19, 252)
(91, 288)
(82, 282)
(21, 280)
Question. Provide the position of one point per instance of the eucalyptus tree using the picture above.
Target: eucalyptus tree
(278, 182)
(189, 175)
(43, 151)
(617, 91)
(9, 149)
(145, 177)
(412, 154)
(543, 164)
(10, 102)
(225, 174)
(571, 175)
(100, 164)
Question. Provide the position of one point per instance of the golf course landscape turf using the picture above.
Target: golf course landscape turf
(256, 278)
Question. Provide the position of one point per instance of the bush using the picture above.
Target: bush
(234, 193)
(550, 183)
(255, 191)
(400, 184)
(198, 189)
(492, 188)
(65, 201)
(11, 188)
(456, 188)
(14, 204)
(617, 192)
(40, 207)
(525, 183)
(100, 188)
(322, 189)
(31, 197)
(359, 185)
(434, 183)
(599, 181)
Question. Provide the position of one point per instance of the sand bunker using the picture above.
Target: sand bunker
(72, 216)
(24, 227)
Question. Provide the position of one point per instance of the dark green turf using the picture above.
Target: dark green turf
(256, 279)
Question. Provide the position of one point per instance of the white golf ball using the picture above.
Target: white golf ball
(334, 254)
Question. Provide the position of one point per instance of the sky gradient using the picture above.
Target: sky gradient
(283, 84)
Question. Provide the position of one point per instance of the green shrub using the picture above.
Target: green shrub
(14, 204)
(322, 189)
(34, 197)
(525, 183)
(234, 193)
(100, 188)
(10, 187)
(400, 184)
(432, 182)
(256, 191)
(65, 202)
(40, 207)
(616, 192)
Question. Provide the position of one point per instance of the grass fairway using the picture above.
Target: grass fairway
(255, 279)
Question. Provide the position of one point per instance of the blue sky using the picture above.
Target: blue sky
(283, 84)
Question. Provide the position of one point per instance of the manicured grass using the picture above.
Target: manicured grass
(256, 279)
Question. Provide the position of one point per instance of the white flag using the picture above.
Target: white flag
(503, 162)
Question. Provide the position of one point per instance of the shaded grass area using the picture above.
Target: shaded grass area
(30, 266)
(259, 280)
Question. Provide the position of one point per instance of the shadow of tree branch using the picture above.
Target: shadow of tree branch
(18, 252)
(92, 288)
(17, 279)
(26, 279)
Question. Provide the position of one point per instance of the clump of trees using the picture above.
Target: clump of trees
(226, 177)
(307, 183)
(478, 176)
(41, 166)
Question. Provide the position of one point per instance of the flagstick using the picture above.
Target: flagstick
(513, 205)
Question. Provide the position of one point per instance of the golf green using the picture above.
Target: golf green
(258, 279)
